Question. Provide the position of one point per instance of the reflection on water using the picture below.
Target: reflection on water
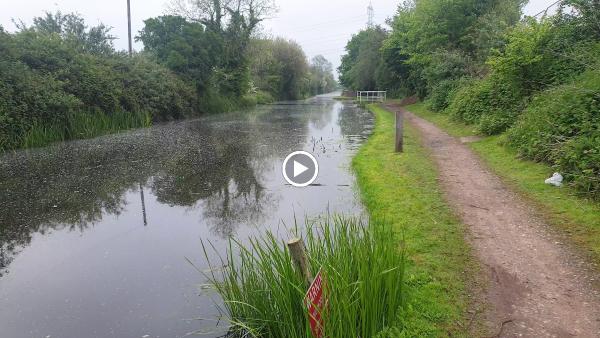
(94, 234)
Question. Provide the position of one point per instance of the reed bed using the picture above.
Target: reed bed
(83, 125)
(363, 269)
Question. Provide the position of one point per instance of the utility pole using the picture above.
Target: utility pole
(129, 26)
(371, 15)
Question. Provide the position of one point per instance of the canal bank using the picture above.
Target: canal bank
(403, 190)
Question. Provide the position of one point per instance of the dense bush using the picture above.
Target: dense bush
(46, 79)
(442, 94)
(149, 87)
(538, 55)
(538, 75)
(561, 126)
(491, 103)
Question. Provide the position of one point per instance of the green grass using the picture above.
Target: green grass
(90, 125)
(576, 217)
(40, 135)
(363, 269)
(402, 189)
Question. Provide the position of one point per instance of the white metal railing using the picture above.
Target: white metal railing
(371, 96)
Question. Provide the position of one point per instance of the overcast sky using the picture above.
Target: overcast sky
(320, 26)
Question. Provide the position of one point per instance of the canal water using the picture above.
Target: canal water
(95, 235)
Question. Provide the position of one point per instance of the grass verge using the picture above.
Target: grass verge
(576, 217)
(402, 189)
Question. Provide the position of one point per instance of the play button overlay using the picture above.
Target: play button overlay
(300, 169)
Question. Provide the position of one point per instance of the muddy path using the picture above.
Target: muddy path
(536, 286)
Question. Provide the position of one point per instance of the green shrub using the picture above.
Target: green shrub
(263, 97)
(492, 103)
(537, 56)
(247, 101)
(47, 81)
(212, 103)
(152, 88)
(542, 54)
(441, 95)
(29, 99)
(562, 127)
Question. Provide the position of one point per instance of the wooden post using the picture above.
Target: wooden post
(399, 131)
(296, 247)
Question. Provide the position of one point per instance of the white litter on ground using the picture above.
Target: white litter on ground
(556, 180)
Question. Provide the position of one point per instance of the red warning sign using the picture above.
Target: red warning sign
(315, 303)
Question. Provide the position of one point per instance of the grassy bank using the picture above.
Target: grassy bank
(576, 217)
(402, 189)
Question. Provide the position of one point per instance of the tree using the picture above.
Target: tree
(293, 68)
(230, 24)
(362, 60)
(436, 43)
(216, 14)
(182, 46)
(321, 76)
(279, 67)
(72, 28)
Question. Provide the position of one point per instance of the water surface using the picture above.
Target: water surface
(94, 234)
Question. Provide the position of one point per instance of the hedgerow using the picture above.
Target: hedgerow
(561, 126)
(45, 82)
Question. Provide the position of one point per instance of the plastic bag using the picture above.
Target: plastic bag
(556, 180)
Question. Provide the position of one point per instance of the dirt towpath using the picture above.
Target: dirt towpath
(537, 287)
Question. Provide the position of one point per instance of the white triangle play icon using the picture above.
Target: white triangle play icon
(299, 169)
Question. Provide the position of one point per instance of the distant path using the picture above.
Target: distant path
(537, 288)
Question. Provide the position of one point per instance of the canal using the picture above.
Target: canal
(95, 235)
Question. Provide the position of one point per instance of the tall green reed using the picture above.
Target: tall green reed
(40, 135)
(82, 125)
(363, 268)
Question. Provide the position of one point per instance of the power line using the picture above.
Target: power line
(333, 39)
(320, 25)
(547, 8)
(327, 51)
